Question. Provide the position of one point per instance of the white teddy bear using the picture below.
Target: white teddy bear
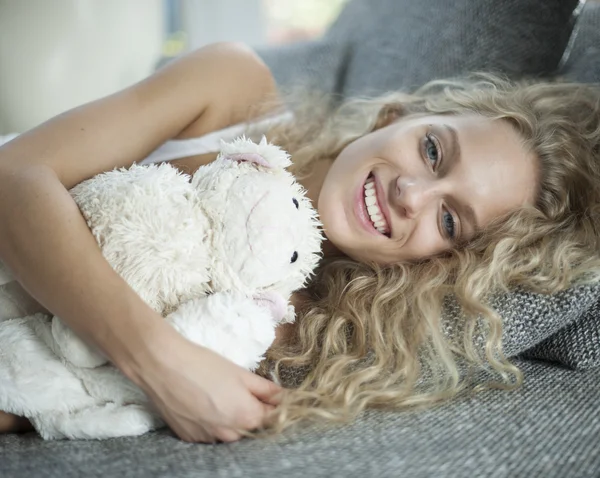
(218, 254)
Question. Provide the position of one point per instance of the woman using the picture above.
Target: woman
(464, 191)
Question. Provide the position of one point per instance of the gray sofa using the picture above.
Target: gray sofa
(551, 426)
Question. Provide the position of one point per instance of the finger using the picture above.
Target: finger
(226, 435)
(192, 436)
(267, 409)
(192, 433)
(266, 419)
(258, 418)
(196, 438)
(265, 390)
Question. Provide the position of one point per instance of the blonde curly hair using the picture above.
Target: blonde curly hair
(376, 337)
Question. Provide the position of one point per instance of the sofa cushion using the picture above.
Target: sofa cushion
(307, 65)
(548, 428)
(406, 43)
(531, 320)
(577, 345)
(583, 61)
(381, 45)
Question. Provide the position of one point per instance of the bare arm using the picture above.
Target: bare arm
(44, 239)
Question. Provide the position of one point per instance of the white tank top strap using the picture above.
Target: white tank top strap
(209, 143)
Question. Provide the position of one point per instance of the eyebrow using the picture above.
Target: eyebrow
(469, 212)
(455, 157)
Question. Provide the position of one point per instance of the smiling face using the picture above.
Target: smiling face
(422, 184)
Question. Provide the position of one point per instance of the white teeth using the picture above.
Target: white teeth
(373, 208)
(370, 200)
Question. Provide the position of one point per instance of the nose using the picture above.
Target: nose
(413, 194)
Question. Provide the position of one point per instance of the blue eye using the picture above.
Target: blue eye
(449, 224)
(432, 150)
(295, 201)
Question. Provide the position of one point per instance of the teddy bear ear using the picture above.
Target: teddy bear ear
(263, 154)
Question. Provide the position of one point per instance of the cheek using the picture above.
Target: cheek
(361, 150)
(345, 163)
(331, 220)
(334, 221)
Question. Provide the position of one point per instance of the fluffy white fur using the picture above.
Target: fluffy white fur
(217, 254)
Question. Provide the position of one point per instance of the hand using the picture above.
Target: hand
(202, 396)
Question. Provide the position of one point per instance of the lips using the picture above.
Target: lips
(373, 204)
(383, 205)
(372, 208)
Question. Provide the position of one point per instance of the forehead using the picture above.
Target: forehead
(495, 171)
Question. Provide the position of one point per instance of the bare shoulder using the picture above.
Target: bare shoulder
(242, 81)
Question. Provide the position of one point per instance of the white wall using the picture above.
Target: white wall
(207, 21)
(57, 54)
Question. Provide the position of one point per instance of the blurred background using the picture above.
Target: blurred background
(57, 54)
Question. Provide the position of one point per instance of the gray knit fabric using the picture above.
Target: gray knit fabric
(400, 44)
(548, 428)
(583, 63)
(550, 321)
(430, 39)
(577, 345)
(312, 65)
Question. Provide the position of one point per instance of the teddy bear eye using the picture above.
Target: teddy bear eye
(295, 201)
(294, 257)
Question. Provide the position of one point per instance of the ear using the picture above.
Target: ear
(264, 154)
(388, 114)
